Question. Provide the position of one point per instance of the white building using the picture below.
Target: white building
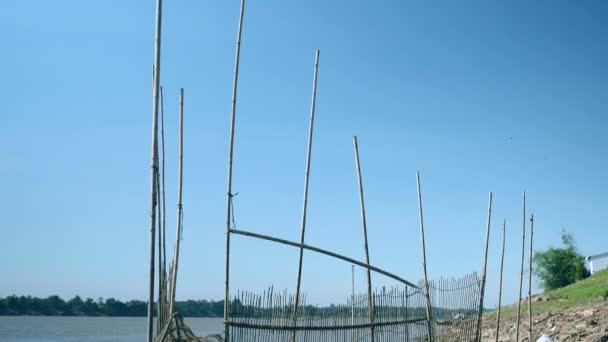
(596, 263)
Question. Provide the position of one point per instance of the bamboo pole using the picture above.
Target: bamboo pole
(305, 205)
(162, 255)
(160, 303)
(162, 138)
(154, 171)
(502, 258)
(369, 277)
(230, 155)
(427, 295)
(521, 273)
(178, 228)
(485, 267)
(530, 279)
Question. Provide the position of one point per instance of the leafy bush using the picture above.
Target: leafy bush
(559, 267)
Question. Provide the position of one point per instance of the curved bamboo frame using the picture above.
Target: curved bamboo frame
(323, 251)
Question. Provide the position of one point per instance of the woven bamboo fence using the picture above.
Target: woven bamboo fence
(399, 315)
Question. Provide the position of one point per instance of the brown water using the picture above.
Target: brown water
(89, 329)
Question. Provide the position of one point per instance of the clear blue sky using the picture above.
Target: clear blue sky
(478, 96)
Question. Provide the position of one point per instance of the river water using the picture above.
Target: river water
(89, 329)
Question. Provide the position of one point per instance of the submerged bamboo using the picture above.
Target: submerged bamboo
(305, 205)
(369, 277)
(483, 274)
(530, 280)
(154, 171)
(521, 273)
(229, 190)
(427, 295)
(502, 258)
(178, 228)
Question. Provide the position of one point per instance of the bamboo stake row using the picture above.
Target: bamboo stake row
(455, 305)
(399, 314)
(268, 317)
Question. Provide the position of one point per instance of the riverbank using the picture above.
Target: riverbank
(578, 312)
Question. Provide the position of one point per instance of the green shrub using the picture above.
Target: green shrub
(559, 267)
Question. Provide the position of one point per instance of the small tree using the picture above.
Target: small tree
(559, 267)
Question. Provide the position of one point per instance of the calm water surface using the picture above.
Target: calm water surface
(89, 329)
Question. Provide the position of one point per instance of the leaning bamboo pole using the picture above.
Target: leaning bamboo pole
(530, 280)
(502, 259)
(305, 205)
(178, 228)
(521, 273)
(229, 191)
(485, 267)
(370, 301)
(154, 171)
(427, 295)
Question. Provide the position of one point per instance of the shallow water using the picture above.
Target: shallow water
(89, 329)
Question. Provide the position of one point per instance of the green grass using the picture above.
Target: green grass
(575, 294)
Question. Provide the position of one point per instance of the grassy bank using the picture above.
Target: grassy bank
(571, 295)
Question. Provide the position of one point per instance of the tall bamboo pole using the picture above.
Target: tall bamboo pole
(502, 258)
(370, 301)
(230, 154)
(427, 295)
(305, 205)
(162, 290)
(521, 273)
(162, 271)
(162, 138)
(154, 171)
(178, 228)
(485, 267)
(530, 279)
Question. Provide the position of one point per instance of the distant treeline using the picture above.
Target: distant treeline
(55, 306)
